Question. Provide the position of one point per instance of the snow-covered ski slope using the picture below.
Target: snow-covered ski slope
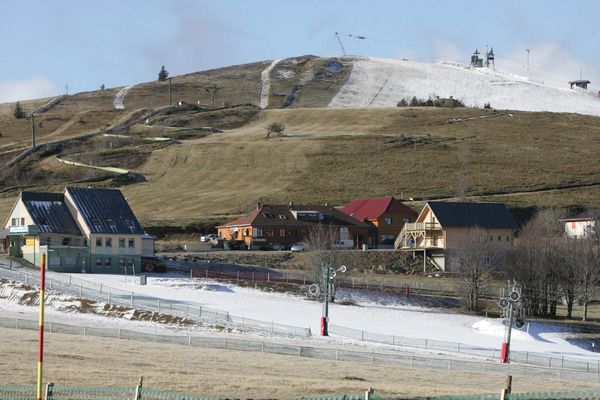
(376, 82)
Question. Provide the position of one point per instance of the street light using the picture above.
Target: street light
(328, 289)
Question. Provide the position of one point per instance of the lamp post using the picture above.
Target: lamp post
(326, 290)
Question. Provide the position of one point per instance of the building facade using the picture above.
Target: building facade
(79, 230)
(443, 229)
(287, 224)
(386, 217)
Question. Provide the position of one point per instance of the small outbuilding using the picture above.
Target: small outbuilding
(580, 83)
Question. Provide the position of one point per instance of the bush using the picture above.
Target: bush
(275, 127)
(437, 102)
(487, 105)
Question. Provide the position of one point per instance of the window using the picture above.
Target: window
(269, 232)
(108, 242)
(282, 232)
(121, 243)
(107, 262)
(435, 240)
(121, 262)
(99, 242)
(257, 232)
(14, 221)
(85, 241)
(131, 243)
(387, 220)
(508, 238)
(54, 260)
(66, 241)
(99, 261)
(130, 263)
(22, 221)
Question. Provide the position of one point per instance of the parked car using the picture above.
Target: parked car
(209, 237)
(344, 244)
(299, 246)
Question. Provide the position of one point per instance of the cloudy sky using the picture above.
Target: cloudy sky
(47, 45)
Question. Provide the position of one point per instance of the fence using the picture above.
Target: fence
(523, 357)
(588, 395)
(191, 311)
(55, 392)
(323, 353)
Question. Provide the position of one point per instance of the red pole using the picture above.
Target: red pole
(41, 328)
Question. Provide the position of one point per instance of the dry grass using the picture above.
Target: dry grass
(327, 155)
(87, 361)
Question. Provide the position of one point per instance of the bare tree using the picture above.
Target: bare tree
(476, 258)
(537, 262)
(463, 160)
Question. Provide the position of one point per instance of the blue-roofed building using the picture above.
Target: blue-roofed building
(443, 229)
(79, 230)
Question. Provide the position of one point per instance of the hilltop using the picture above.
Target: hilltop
(208, 158)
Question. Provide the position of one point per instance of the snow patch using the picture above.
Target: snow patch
(376, 82)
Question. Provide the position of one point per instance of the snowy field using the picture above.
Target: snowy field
(374, 312)
(376, 82)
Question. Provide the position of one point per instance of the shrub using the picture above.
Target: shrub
(275, 127)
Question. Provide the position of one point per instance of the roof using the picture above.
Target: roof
(373, 208)
(483, 215)
(49, 212)
(588, 215)
(583, 81)
(291, 215)
(105, 211)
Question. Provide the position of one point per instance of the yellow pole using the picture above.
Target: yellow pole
(41, 328)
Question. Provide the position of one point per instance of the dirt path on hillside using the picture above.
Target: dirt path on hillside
(77, 360)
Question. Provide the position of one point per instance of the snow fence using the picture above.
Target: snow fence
(191, 311)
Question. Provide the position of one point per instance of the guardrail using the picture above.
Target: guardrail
(522, 357)
(323, 353)
(188, 310)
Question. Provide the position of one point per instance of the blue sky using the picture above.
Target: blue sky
(83, 44)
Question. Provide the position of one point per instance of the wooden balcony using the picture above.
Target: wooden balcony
(422, 226)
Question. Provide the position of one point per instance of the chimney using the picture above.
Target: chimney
(258, 205)
(326, 204)
(291, 204)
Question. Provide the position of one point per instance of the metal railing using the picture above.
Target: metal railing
(522, 357)
(323, 353)
(183, 309)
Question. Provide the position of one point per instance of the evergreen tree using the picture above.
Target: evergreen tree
(163, 74)
(18, 112)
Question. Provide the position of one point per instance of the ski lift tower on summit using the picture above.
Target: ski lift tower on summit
(489, 58)
(476, 62)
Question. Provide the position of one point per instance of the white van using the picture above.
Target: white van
(344, 244)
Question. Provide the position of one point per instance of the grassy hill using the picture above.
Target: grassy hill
(218, 162)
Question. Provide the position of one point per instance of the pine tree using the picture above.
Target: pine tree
(163, 74)
(18, 112)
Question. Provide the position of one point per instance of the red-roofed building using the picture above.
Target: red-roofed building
(386, 216)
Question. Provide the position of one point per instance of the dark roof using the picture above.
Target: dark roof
(483, 215)
(105, 211)
(287, 215)
(581, 81)
(373, 208)
(587, 215)
(49, 212)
